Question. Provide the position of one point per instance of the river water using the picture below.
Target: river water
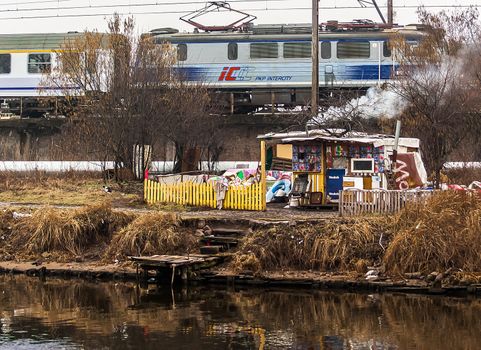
(75, 314)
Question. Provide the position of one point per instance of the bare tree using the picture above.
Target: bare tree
(123, 90)
(442, 97)
(193, 124)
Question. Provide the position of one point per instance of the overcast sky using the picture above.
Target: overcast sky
(30, 16)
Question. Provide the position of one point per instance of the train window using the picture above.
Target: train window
(264, 50)
(353, 49)
(297, 50)
(232, 51)
(386, 49)
(5, 63)
(39, 63)
(182, 52)
(326, 50)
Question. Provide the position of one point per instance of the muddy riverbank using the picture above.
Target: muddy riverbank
(432, 248)
(347, 281)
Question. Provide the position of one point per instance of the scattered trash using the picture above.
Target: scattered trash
(20, 215)
(432, 276)
(372, 275)
(207, 230)
(279, 190)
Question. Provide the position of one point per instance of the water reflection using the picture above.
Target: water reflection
(79, 314)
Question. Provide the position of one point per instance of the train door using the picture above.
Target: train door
(326, 58)
(382, 51)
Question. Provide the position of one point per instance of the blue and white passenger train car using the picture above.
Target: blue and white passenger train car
(272, 63)
(24, 59)
(262, 65)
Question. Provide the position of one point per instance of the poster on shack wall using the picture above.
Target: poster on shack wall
(407, 173)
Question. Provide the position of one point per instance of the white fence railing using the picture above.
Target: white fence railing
(357, 202)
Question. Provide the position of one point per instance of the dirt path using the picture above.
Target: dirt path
(273, 212)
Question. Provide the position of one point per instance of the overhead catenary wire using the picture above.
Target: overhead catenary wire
(16, 3)
(79, 7)
(190, 2)
(300, 8)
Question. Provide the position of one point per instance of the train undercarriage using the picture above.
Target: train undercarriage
(32, 107)
(281, 100)
(231, 102)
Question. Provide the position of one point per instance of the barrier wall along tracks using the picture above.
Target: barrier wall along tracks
(357, 202)
(203, 195)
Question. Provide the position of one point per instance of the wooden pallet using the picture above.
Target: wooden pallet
(169, 261)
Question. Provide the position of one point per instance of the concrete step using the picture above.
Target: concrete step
(211, 249)
(220, 240)
(228, 231)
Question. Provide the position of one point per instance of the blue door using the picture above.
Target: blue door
(334, 183)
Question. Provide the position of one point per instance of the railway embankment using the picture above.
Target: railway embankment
(431, 248)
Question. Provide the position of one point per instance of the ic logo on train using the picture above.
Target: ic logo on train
(234, 74)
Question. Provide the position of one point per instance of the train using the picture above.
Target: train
(268, 65)
(24, 61)
(259, 66)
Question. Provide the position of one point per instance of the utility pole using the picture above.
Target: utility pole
(390, 13)
(315, 58)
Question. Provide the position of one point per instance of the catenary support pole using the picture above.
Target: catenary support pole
(396, 143)
(263, 175)
(315, 58)
(390, 12)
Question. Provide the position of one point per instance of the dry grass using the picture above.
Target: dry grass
(170, 207)
(246, 262)
(330, 245)
(152, 233)
(6, 222)
(66, 230)
(69, 188)
(6, 219)
(444, 232)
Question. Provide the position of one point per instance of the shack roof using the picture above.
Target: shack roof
(339, 135)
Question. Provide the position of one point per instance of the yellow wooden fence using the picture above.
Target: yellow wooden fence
(203, 195)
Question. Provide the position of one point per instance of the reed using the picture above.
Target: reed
(70, 231)
(329, 245)
(445, 232)
(152, 233)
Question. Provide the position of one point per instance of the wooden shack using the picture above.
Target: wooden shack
(325, 161)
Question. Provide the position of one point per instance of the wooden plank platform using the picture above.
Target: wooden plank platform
(174, 268)
(156, 261)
